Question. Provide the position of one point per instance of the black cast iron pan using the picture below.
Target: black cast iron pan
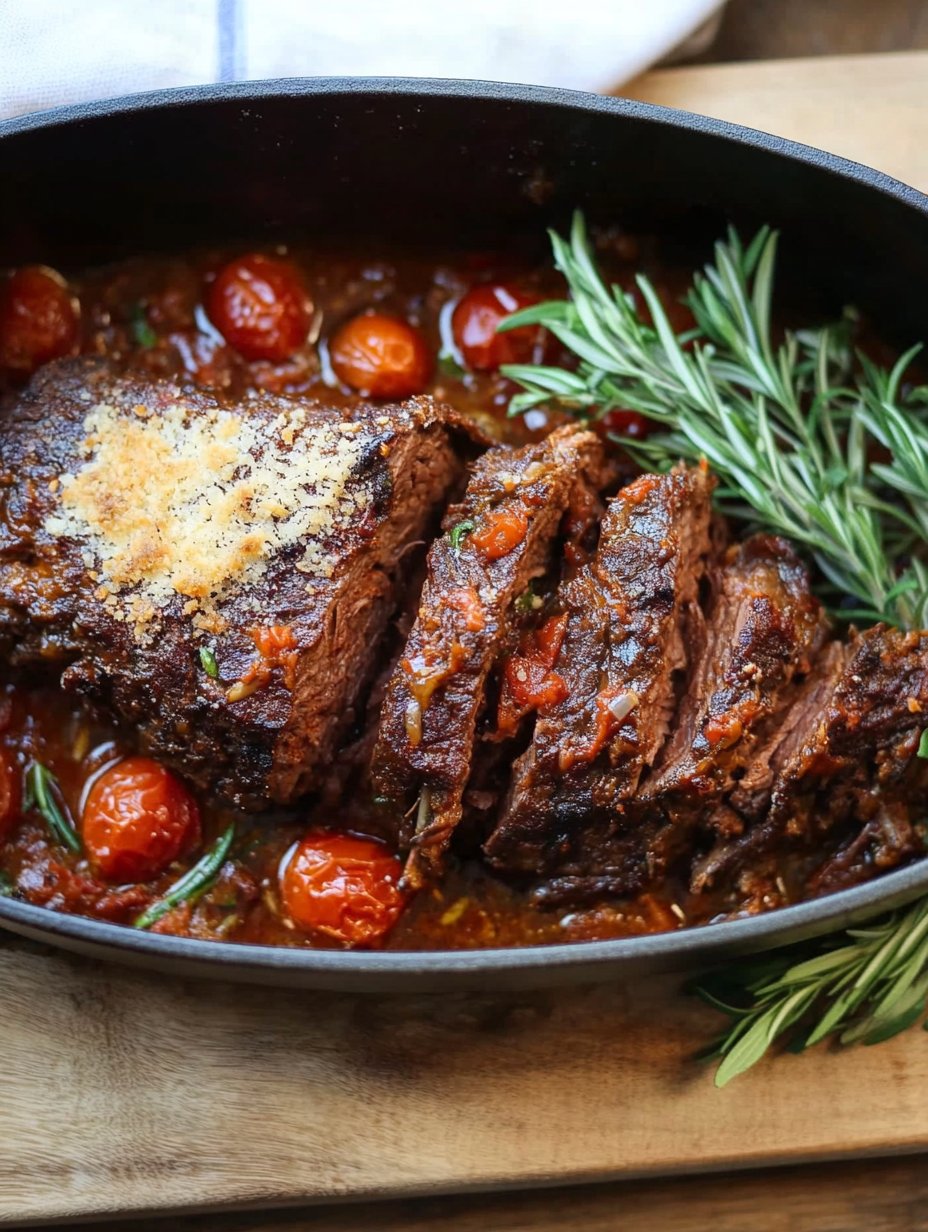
(412, 162)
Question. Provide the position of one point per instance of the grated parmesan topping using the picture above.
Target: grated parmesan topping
(171, 503)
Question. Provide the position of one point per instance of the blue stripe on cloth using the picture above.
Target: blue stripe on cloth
(230, 42)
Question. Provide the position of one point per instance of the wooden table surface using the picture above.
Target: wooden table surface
(865, 1196)
(869, 109)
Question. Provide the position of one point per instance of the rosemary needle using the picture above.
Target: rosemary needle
(457, 533)
(41, 794)
(208, 662)
(194, 882)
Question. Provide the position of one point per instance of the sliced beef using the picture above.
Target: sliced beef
(763, 630)
(844, 769)
(500, 537)
(750, 799)
(149, 532)
(625, 617)
(751, 795)
(866, 741)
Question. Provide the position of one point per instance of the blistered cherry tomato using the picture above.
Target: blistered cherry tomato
(137, 820)
(260, 306)
(474, 322)
(381, 356)
(10, 795)
(627, 423)
(38, 319)
(343, 886)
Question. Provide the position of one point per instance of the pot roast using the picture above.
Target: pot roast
(592, 690)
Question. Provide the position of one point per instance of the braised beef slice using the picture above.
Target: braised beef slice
(763, 629)
(269, 737)
(497, 540)
(504, 727)
(863, 752)
(845, 774)
(750, 799)
(626, 615)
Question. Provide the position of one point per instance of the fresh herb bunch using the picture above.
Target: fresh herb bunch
(864, 988)
(787, 426)
(791, 428)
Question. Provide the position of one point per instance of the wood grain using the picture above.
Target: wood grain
(868, 108)
(124, 1092)
(872, 1196)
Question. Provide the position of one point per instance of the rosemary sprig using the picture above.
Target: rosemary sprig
(786, 427)
(195, 881)
(863, 988)
(895, 418)
(42, 794)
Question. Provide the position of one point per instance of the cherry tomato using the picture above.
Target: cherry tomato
(260, 307)
(345, 887)
(627, 423)
(381, 356)
(138, 819)
(38, 319)
(474, 322)
(10, 795)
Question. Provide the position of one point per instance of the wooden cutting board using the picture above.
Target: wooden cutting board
(868, 108)
(125, 1092)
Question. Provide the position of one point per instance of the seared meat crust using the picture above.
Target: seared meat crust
(263, 730)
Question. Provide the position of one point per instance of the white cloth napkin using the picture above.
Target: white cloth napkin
(62, 51)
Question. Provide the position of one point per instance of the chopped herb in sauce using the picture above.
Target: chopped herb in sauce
(528, 601)
(458, 532)
(6, 886)
(208, 663)
(142, 332)
(448, 366)
(41, 796)
(195, 881)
